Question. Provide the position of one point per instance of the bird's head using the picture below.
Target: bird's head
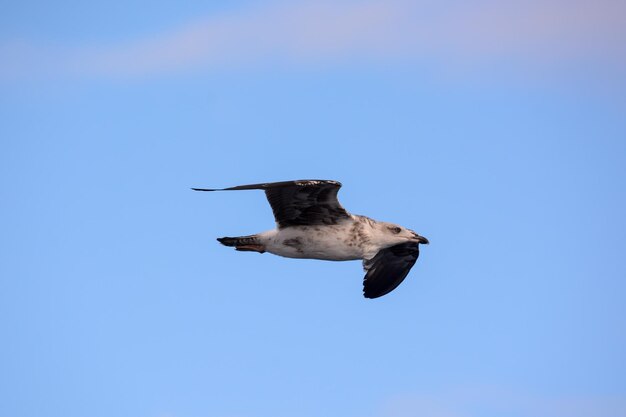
(394, 234)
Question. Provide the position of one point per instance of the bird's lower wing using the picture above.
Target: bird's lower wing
(387, 270)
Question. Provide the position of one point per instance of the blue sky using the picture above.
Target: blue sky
(496, 130)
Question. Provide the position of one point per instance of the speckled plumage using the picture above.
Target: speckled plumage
(337, 242)
(312, 224)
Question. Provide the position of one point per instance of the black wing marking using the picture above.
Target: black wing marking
(388, 268)
(301, 202)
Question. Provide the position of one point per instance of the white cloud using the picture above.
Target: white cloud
(391, 32)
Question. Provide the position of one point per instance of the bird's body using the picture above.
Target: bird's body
(351, 239)
(311, 224)
(311, 242)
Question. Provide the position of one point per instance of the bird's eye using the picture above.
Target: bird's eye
(396, 230)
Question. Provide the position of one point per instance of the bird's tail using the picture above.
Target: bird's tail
(243, 243)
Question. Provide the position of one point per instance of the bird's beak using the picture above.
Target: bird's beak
(421, 239)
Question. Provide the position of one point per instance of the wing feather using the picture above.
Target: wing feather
(301, 202)
(388, 268)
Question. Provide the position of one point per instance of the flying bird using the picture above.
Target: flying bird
(311, 224)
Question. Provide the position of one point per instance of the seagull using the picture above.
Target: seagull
(311, 224)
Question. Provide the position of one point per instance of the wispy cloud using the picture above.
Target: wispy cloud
(535, 34)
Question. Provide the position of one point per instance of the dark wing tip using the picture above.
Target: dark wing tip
(204, 189)
(371, 293)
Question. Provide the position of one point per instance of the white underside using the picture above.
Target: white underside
(316, 242)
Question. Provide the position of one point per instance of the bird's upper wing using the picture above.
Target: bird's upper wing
(386, 270)
(301, 202)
